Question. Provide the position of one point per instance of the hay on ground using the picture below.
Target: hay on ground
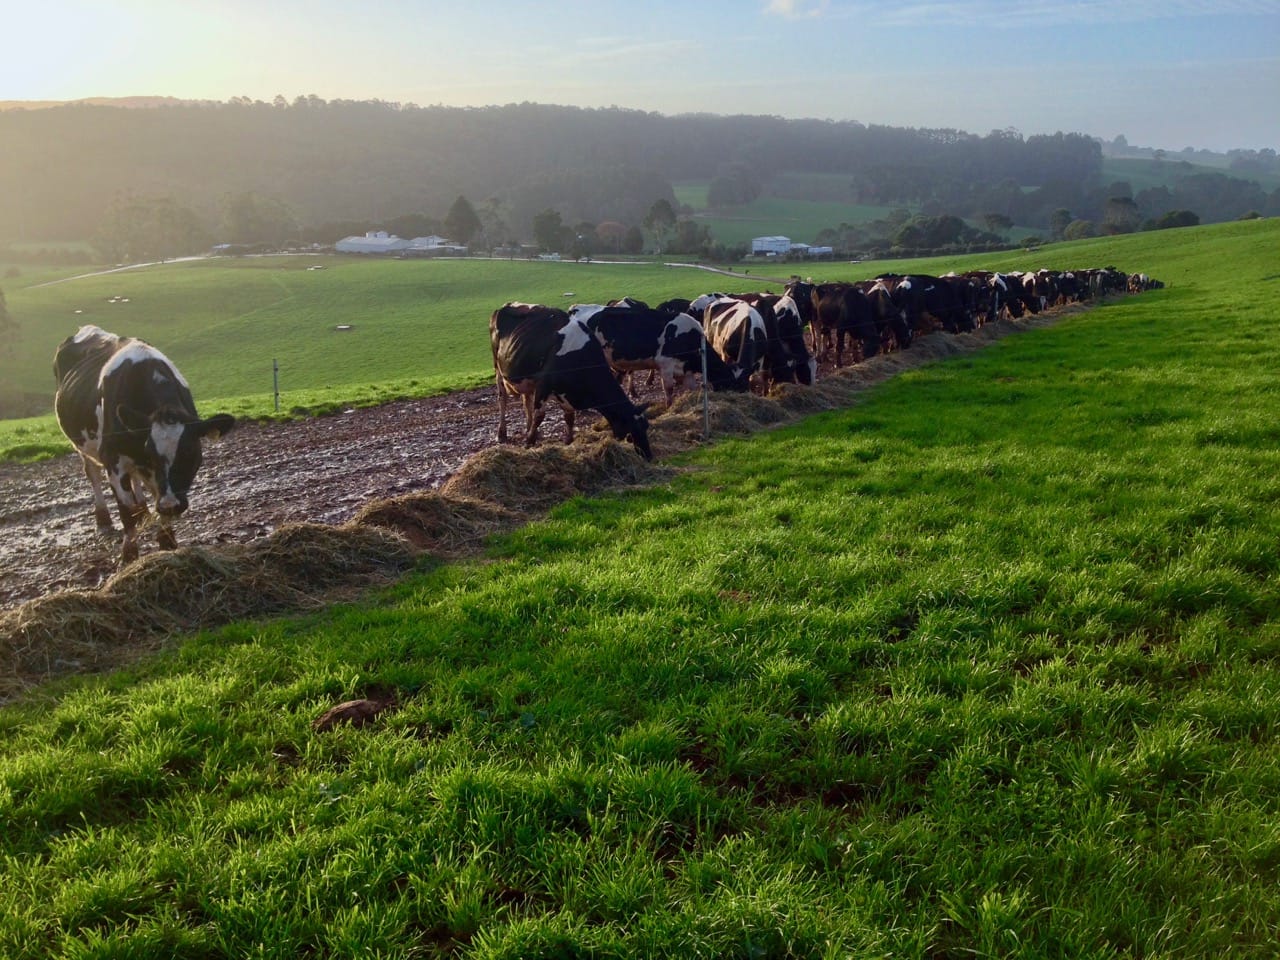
(531, 480)
(297, 567)
(444, 526)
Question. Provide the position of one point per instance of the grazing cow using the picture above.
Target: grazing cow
(890, 320)
(787, 357)
(843, 310)
(928, 303)
(736, 331)
(130, 413)
(539, 352)
(671, 344)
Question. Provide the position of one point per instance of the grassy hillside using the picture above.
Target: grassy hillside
(986, 665)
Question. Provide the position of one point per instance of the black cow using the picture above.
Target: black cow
(639, 338)
(539, 352)
(842, 310)
(130, 413)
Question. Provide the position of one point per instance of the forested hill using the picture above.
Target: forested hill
(335, 164)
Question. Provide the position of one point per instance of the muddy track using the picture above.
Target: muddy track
(258, 477)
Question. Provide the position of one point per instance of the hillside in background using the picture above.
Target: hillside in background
(249, 171)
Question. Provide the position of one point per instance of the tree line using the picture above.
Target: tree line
(179, 177)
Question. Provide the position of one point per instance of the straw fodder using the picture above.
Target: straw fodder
(532, 480)
(297, 567)
(444, 526)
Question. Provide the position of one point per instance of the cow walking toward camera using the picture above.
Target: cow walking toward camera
(130, 414)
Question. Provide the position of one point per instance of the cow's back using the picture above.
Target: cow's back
(77, 366)
(523, 338)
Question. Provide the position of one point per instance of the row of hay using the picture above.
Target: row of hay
(304, 566)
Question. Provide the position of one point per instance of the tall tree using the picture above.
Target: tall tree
(548, 230)
(461, 222)
(660, 221)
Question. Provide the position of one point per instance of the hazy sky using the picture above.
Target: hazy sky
(1165, 73)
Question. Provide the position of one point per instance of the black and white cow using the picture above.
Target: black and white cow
(639, 338)
(540, 353)
(928, 303)
(788, 359)
(736, 331)
(130, 413)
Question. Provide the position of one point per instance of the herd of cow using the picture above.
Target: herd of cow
(749, 340)
(130, 413)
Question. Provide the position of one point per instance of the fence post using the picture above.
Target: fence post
(275, 381)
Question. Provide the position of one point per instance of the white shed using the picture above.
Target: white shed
(375, 241)
(767, 245)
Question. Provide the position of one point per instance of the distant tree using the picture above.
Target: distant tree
(1177, 218)
(461, 222)
(997, 222)
(660, 221)
(1080, 230)
(250, 219)
(7, 324)
(138, 229)
(611, 233)
(548, 230)
(1058, 221)
(1121, 215)
(633, 242)
(493, 221)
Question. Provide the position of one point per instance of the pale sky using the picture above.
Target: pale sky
(1165, 73)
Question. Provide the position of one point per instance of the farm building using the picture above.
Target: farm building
(433, 246)
(770, 245)
(782, 246)
(375, 241)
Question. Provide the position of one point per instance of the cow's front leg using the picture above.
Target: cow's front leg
(132, 510)
(101, 513)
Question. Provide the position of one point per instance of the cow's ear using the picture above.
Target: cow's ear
(132, 419)
(215, 426)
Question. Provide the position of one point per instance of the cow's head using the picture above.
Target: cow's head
(173, 451)
(633, 426)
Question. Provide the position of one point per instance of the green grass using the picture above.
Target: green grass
(986, 665)
(770, 215)
(418, 327)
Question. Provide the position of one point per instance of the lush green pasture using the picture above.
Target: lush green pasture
(418, 326)
(769, 215)
(988, 665)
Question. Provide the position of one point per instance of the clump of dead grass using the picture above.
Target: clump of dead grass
(297, 567)
(444, 526)
(530, 481)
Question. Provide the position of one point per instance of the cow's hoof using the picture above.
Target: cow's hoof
(128, 554)
(166, 540)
